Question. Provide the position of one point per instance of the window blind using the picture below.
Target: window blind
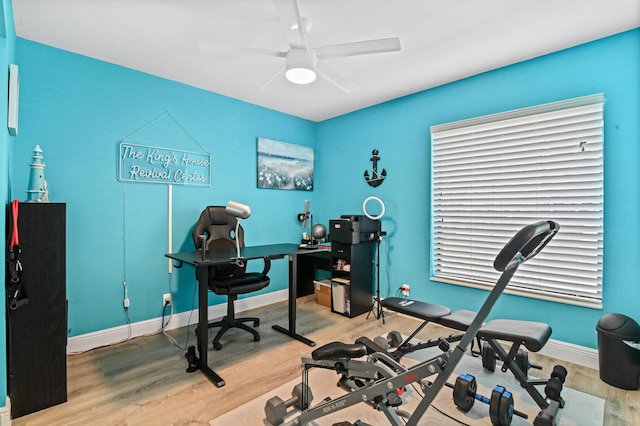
(492, 175)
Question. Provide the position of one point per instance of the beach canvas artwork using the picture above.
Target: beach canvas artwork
(283, 165)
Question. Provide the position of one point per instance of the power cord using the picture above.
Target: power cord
(126, 310)
(164, 310)
(421, 395)
(184, 348)
(388, 273)
(163, 325)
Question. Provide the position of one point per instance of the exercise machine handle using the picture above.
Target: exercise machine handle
(525, 244)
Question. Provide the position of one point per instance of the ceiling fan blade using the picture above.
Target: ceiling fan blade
(232, 50)
(337, 79)
(278, 74)
(359, 48)
(293, 24)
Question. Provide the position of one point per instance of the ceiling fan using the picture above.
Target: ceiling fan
(302, 63)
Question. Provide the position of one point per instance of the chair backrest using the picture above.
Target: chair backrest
(220, 230)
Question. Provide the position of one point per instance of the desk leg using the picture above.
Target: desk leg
(203, 320)
(293, 284)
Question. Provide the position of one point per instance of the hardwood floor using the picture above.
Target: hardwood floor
(143, 381)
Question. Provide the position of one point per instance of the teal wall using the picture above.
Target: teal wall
(7, 56)
(79, 109)
(400, 130)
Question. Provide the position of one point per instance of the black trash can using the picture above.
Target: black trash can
(619, 362)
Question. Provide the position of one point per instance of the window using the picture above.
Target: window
(492, 175)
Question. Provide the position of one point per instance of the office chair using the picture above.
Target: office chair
(231, 279)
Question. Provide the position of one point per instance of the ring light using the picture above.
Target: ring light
(366, 213)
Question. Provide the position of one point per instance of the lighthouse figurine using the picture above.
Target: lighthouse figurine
(37, 191)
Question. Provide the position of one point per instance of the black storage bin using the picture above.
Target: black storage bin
(619, 362)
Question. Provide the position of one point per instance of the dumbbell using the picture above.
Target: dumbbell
(275, 409)
(554, 386)
(522, 361)
(501, 409)
(500, 403)
(547, 416)
(552, 390)
(489, 359)
(393, 340)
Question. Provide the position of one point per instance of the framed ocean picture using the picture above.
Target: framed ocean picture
(283, 165)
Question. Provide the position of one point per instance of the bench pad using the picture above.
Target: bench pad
(533, 335)
(414, 308)
(459, 320)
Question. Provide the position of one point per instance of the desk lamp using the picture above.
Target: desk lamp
(239, 211)
(305, 217)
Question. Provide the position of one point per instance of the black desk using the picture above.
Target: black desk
(272, 251)
(307, 266)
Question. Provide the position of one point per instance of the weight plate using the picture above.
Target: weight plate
(494, 405)
(464, 392)
(553, 389)
(559, 372)
(505, 411)
(394, 338)
(488, 357)
(522, 361)
(381, 342)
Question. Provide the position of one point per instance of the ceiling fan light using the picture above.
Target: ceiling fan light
(301, 66)
(300, 75)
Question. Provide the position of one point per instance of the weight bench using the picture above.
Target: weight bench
(380, 374)
(532, 335)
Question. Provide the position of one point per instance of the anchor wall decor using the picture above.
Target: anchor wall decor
(375, 179)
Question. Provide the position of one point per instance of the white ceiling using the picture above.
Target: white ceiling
(442, 41)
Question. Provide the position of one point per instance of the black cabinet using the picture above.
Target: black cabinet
(37, 330)
(351, 278)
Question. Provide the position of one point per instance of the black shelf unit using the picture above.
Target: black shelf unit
(355, 281)
(37, 330)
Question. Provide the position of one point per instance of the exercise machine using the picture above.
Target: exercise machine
(529, 334)
(379, 375)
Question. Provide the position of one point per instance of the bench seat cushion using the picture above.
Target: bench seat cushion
(459, 320)
(414, 308)
(533, 335)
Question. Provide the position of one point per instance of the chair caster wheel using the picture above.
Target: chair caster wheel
(256, 338)
(217, 346)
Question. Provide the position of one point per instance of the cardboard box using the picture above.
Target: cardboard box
(323, 292)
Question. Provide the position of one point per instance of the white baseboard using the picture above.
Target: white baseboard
(573, 353)
(5, 413)
(110, 336)
(554, 348)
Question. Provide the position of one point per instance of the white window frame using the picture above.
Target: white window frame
(494, 174)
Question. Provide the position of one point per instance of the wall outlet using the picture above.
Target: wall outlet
(166, 299)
